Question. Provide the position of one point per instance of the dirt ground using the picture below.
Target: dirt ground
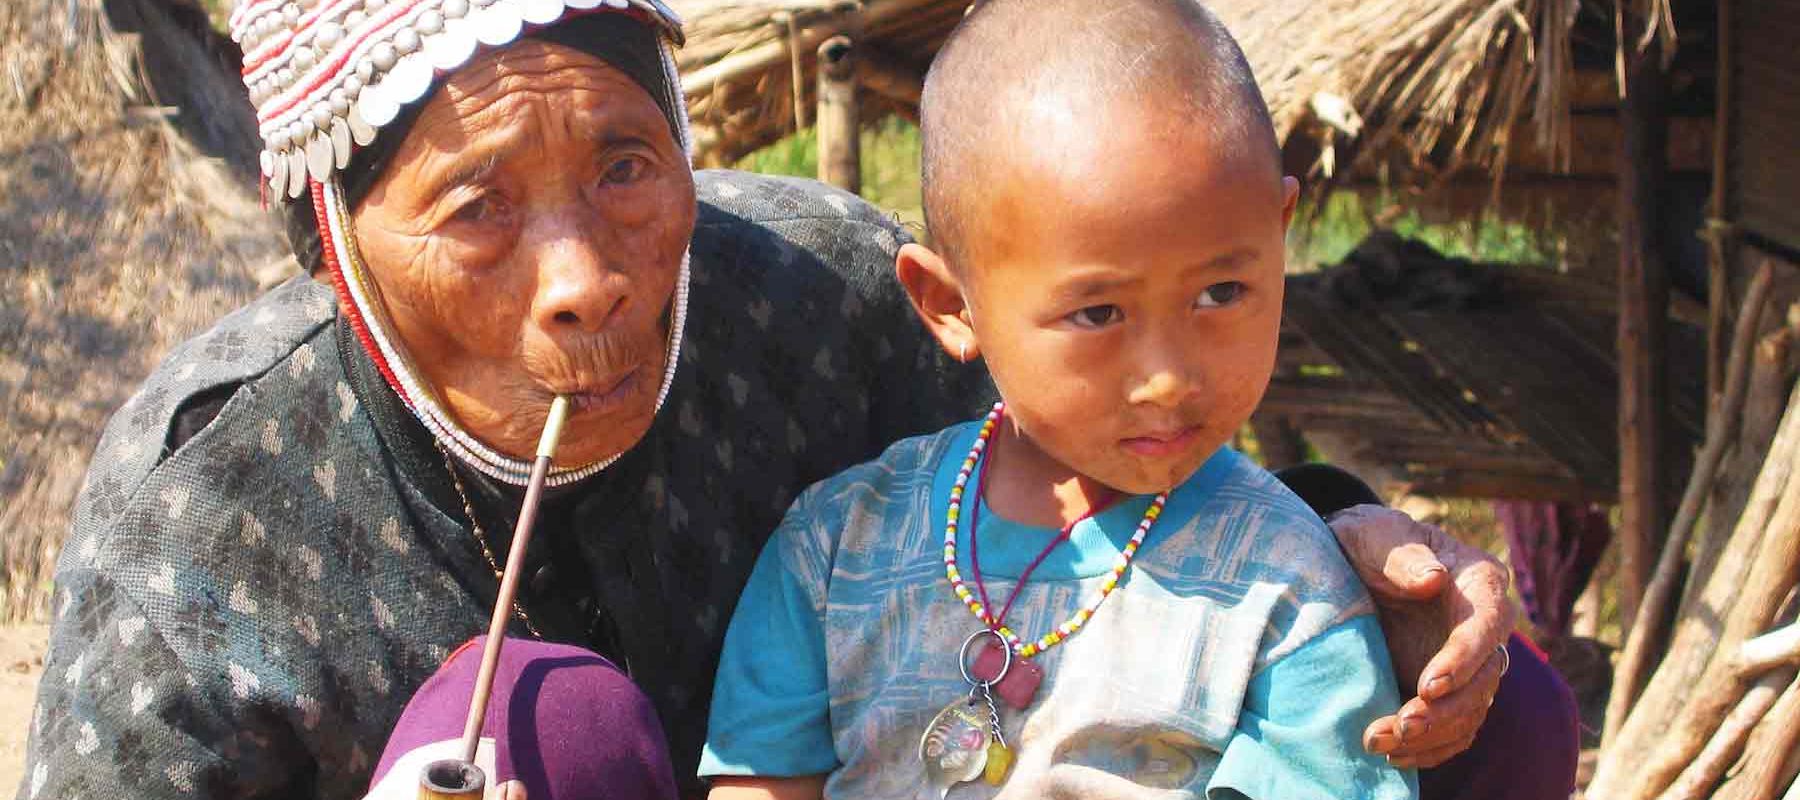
(21, 662)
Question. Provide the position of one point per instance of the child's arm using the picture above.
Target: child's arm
(811, 787)
(1299, 734)
(769, 732)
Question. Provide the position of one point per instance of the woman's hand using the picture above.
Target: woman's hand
(1446, 615)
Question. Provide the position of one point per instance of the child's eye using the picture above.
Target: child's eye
(1220, 294)
(1097, 316)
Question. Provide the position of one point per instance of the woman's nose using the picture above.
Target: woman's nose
(577, 290)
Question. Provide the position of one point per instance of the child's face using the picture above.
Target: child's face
(1128, 303)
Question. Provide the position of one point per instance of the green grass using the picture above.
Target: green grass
(890, 166)
(1325, 236)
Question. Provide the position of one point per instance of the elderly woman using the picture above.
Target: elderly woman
(300, 515)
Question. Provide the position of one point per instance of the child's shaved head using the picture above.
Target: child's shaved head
(1029, 84)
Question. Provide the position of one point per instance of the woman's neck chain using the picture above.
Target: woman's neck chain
(481, 537)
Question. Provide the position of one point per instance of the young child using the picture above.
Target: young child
(1108, 213)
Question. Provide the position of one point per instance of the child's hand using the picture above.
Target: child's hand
(1445, 612)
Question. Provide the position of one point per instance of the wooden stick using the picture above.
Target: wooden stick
(509, 579)
(1761, 773)
(1774, 572)
(1699, 778)
(1653, 613)
(1700, 634)
(1772, 649)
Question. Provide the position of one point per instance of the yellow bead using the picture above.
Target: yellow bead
(999, 762)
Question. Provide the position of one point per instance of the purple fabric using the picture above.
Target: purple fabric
(1554, 549)
(565, 722)
(1527, 749)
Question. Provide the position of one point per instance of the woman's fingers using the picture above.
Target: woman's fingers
(1426, 727)
(1390, 552)
(1382, 735)
(1481, 616)
(512, 790)
(1431, 758)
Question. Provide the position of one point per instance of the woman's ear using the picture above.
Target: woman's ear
(937, 296)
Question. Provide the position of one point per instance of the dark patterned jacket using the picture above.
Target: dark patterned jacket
(269, 555)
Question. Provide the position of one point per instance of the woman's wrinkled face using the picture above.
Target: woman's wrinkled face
(526, 239)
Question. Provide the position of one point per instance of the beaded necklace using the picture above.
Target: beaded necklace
(964, 740)
(1074, 623)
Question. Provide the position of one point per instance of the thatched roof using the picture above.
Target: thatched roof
(1431, 83)
(127, 222)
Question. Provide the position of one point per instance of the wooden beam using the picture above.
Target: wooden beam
(1466, 483)
(1718, 284)
(840, 149)
(776, 53)
(1643, 305)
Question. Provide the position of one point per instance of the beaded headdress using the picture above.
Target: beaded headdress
(325, 77)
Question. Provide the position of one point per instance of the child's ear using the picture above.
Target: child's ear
(1290, 191)
(937, 296)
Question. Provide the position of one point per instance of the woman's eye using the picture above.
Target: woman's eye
(479, 209)
(1097, 316)
(624, 170)
(1220, 294)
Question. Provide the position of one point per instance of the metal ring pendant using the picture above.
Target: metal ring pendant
(962, 657)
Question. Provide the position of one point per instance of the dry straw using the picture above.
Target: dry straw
(119, 236)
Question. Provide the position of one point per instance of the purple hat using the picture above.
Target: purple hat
(562, 720)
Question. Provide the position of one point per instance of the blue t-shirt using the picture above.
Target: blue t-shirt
(1239, 657)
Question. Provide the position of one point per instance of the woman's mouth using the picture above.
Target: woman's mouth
(604, 397)
(1162, 444)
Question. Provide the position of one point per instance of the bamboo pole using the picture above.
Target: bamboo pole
(1645, 636)
(840, 149)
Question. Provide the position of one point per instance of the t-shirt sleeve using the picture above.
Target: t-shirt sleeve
(771, 701)
(1299, 735)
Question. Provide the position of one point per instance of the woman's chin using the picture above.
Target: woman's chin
(587, 440)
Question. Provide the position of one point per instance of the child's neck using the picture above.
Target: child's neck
(1029, 486)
